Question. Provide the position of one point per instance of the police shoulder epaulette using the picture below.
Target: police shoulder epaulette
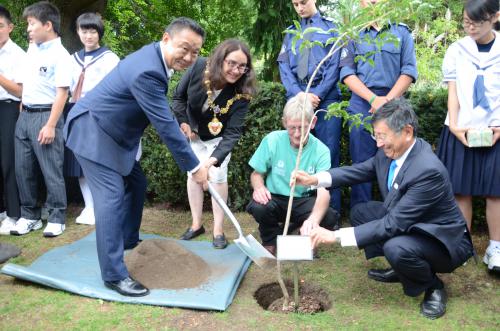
(404, 25)
(329, 19)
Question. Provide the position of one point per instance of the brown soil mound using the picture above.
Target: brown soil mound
(165, 264)
(312, 299)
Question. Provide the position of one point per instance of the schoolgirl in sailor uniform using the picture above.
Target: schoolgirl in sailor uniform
(471, 68)
(89, 66)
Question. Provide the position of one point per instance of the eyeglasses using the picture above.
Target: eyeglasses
(293, 129)
(381, 137)
(242, 68)
(467, 24)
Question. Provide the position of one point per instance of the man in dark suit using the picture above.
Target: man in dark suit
(104, 129)
(418, 227)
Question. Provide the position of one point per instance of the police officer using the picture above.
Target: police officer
(372, 86)
(296, 70)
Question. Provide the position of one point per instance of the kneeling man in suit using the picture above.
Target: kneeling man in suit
(104, 129)
(418, 227)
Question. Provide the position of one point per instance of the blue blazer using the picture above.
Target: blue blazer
(421, 199)
(106, 125)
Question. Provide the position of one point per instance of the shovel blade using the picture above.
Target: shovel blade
(294, 248)
(255, 251)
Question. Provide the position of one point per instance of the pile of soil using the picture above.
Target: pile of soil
(308, 304)
(165, 264)
(312, 299)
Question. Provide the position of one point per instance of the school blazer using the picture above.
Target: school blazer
(187, 103)
(114, 115)
(421, 199)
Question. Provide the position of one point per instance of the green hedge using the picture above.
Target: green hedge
(167, 183)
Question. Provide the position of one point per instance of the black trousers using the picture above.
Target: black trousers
(271, 217)
(9, 194)
(415, 257)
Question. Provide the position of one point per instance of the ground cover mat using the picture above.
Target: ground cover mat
(75, 268)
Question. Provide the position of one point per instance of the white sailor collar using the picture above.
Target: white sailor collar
(468, 47)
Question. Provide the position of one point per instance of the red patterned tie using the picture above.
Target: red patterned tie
(78, 90)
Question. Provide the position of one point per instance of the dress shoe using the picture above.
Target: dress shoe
(128, 287)
(220, 241)
(191, 234)
(434, 304)
(383, 275)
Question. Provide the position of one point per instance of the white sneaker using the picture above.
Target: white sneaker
(492, 258)
(24, 226)
(8, 224)
(3, 215)
(86, 217)
(53, 229)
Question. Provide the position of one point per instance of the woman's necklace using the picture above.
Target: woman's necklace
(215, 126)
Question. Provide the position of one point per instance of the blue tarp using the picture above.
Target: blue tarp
(74, 268)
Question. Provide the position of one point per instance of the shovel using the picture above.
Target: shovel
(248, 245)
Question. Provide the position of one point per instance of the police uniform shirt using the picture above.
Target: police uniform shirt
(327, 77)
(12, 58)
(48, 66)
(390, 62)
(97, 63)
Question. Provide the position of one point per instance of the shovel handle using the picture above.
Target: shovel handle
(223, 205)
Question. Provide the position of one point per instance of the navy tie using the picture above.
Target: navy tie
(390, 177)
(479, 96)
(303, 64)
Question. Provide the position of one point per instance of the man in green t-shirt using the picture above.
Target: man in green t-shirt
(273, 162)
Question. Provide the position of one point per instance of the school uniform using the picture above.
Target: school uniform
(390, 63)
(12, 58)
(88, 69)
(47, 67)
(476, 71)
(295, 72)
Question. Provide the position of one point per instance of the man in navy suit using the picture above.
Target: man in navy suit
(418, 227)
(104, 129)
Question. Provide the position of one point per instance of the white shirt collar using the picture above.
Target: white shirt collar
(402, 158)
(169, 71)
(48, 44)
(8, 46)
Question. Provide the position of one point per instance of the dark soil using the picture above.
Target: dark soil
(312, 299)
(164, 264)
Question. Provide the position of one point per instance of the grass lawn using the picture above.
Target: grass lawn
(357, 302)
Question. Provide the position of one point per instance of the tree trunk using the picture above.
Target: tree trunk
(70, 10)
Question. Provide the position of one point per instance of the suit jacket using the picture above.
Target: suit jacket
(106, 125)
(421, 199)
(187, 103)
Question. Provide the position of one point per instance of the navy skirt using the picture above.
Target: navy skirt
(71, 167)
(473, 171)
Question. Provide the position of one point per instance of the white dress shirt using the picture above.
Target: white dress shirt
(48, 66)
(346, 235)
(12, 59)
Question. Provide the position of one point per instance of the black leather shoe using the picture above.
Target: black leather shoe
(383, 275)
(191, 234)
(128, 287)
(434, 304)
(220, 241)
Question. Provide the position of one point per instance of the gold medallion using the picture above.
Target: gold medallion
(215, 126)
